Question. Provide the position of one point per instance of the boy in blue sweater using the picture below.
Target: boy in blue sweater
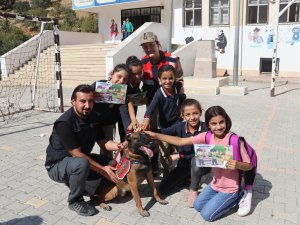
(186, 166)
(167, 100)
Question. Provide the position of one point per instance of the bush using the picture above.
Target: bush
(40, 4)
(21, 7)
(7, 4)
(10, 37)
(89, 24)
(40, 12)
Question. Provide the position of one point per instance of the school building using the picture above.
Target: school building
(215, 20)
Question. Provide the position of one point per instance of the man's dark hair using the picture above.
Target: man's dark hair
(85, 88)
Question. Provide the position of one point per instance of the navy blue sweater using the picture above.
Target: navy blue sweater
(168, 107)
(181, 130)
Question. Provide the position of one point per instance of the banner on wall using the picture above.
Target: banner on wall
(82, 4)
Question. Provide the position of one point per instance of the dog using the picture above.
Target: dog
(139, 153)
(107, 191)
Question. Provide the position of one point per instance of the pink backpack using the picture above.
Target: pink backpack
(235, 141)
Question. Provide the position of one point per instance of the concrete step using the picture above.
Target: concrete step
(206, 82)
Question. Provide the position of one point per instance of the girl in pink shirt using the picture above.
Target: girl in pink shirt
(222, 193)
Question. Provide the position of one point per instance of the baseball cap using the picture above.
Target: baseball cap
(148, 37)
(132, 60)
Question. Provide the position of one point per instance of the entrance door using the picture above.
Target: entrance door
(139, 16)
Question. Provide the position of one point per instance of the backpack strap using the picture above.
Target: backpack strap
(208, 136)
(234, 140)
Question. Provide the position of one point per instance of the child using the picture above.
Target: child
(109, 113)
(186, 167)
(166, 99)
(135, 78)
(222, 193)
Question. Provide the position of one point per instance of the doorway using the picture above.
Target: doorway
(139, 16)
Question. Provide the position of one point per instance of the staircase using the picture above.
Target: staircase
(83, 64)
(80, 64)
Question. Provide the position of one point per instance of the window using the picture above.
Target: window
(192, 12)
(219, 12)
(258, 11)
(292, 14)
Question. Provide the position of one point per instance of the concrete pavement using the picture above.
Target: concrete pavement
(271, 126)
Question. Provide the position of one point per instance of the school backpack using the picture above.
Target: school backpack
(235, 141)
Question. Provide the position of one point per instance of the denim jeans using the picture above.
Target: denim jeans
(213, 204)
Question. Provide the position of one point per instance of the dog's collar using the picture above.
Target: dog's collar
(146, 161)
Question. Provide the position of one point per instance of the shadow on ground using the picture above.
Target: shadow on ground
(28, 220)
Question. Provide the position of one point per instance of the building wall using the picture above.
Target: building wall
(255, 41)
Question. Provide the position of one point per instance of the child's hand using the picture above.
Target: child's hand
(135, 124)
(151, 134)
(174, 157)
(145, 125)
(232, 165)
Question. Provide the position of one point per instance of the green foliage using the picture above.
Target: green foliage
(89, 24)
(7, 4)
(40, 3)
(21, 7)
(10, 37)
(40, 12)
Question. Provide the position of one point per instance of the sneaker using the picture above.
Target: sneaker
(245, 203)
(191, 198)
(83, 208)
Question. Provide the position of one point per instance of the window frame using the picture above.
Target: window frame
(258, 5)
(193, 8)
(219, 7)
(288, 11)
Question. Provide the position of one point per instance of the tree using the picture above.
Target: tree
(21, 7)
(40, 4)
(7, 4)
(10, 37)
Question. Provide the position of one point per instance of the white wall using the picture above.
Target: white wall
(75, 38)
(131, 45)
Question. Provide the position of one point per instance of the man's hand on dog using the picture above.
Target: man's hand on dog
(108, 173)
(151, 134)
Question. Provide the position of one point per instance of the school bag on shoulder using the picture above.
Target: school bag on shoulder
(236, 140)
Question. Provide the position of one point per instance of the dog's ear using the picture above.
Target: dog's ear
(128, 137)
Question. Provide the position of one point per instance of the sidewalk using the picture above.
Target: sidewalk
(271, 125)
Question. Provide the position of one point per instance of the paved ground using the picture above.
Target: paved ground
(271, 125)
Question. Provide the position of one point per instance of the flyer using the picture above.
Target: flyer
(107, 92)
(212, 155)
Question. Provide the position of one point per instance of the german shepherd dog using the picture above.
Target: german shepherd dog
(139, 153)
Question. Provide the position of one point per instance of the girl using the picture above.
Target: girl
(136, 74)
(113, 30)
(186, 167)
(110, 113)
(166, 99)
(222, 193)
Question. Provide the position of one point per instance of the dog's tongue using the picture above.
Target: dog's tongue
(147, 151)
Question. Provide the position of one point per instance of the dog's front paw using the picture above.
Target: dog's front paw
(105, 207)
(163, 202)
(144, 213)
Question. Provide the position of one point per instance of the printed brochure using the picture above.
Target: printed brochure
(212, 155)
(106, 92)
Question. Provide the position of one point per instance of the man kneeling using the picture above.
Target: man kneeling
(69, 159)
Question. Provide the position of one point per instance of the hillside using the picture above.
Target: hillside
(13, 32)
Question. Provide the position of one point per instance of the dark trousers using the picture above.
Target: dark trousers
(186, 169)
(76, 174)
